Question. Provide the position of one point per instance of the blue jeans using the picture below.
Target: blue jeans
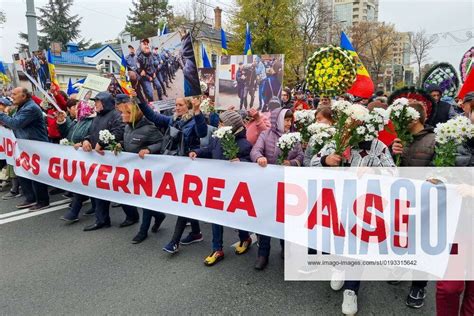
(76, 206)
(181, 225)
(102, 212)
(264, 245)
(146, 220)
(352, 285)
(148, 88)
(217, 236)
(260, 95)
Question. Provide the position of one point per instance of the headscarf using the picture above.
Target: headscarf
(84, 110)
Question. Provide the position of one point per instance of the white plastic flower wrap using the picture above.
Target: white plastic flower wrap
(286, 143)
(64, 142)
(303, 119)
(321, 133)
(402, 115)
(107, 140)
(227, 140)
(448, 137)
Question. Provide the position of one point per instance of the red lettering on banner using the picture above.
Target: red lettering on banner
(120, 181)
(69, 177)
(9, 147)
(54, 169)
(142, 183)
(327, 201)
(242, 200)
(35, 167)
(401, 217)
(86, 174)
(167, 187)
(102, 174)
(189, 193)
(212, 194)
(290, 209)
(371, 201)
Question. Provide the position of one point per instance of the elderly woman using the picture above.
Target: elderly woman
(143, 138)
(183, 132)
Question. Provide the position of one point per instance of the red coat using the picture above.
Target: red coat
(53, 130)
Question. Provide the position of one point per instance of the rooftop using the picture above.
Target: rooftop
(73, 56)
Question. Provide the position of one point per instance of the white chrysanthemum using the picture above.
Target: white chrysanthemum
(358, 112)
(106, 137)
(304, 117)
(288, 141)
(222, 131)
(341, 106)
(457, 130)
(64, 141)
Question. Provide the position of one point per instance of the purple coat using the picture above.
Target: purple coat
(266, 145)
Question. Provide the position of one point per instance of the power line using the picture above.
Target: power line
(99, 12)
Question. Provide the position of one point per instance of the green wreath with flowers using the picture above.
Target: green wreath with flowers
(330, 71)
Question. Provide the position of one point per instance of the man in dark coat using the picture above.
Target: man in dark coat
(441, 111)
(28, 123)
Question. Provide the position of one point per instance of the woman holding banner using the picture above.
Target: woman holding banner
(267, 152)
(183, 132)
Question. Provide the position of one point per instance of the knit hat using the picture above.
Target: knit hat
(232, 118)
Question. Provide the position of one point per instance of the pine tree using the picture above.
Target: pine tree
(147, 17)
(57, 25)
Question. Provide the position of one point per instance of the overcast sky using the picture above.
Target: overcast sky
(104, 19)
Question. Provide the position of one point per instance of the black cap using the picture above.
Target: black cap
(145, 40)
(102, 96)
(130, 46)
(121, 98)
(468, 97)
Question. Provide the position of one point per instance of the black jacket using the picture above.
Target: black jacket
(142, 135)
(439, 113)
(215, 151)
(109, 119)
(420, 152)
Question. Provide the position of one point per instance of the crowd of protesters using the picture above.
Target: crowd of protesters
(186, 132)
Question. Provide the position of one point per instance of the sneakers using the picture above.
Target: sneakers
(69, 220)
(191, 238)
(416, 297)
(337, 280)
(25, 204)
(171, 248)
(11, 195)
(243, 246)
(349, 303)
(214, 258)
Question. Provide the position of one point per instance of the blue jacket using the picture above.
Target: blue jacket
(193, 129)
(214, 149)
(27, 123)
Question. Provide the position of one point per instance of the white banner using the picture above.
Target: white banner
(353, 213)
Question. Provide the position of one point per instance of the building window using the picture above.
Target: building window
(214, 60)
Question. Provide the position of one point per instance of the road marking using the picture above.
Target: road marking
(19, 212)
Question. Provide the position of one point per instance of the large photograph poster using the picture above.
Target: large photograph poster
(207, 77)
(249, 81)
(92, 86)
(162, 68)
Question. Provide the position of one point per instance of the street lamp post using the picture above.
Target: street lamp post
(31, 22)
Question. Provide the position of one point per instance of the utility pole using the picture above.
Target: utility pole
(31, 22)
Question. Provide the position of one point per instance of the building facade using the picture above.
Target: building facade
(350, 12)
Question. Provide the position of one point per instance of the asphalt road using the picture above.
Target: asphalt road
(50, 268)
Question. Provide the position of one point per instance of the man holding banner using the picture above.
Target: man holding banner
(28, 123)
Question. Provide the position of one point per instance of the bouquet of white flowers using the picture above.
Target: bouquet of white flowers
(448, 137)
(303, 119)
(207, 106)
(372, 123)
(227, 139)
(65, 142)
(286, 143)
(108, 140)
(401, 115)
(320, 134)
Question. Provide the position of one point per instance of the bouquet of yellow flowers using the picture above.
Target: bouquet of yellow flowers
(330, 71)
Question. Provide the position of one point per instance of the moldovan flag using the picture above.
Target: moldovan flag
(248, 41)
(363, 86)
(52, 71)
(124, 82)
(468, 85)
